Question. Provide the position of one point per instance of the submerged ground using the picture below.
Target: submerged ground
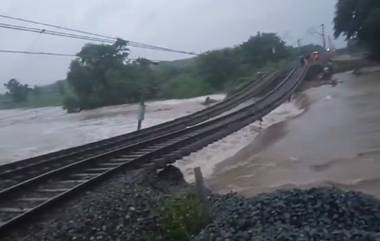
(30, 132)
(325, 136)
(335, 141)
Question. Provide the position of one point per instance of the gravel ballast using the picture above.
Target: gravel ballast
(315, 214)
(125, 208)
(120, 209)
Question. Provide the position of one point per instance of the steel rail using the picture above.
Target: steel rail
(27, 168)
(156, 151)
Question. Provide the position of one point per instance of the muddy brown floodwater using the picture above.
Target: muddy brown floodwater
(29, 132)
(334, 142)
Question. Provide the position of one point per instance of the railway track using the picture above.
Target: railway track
(21, 201)
(14, 173)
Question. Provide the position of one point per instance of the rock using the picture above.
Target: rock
(132, 209)
(171, 175)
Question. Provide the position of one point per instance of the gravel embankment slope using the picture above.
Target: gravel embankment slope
(315, 214)
(119, 209)
(125, 208)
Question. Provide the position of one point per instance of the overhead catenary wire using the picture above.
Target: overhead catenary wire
(56, 26)
(94, 36)
(7, 51)
(55, 33)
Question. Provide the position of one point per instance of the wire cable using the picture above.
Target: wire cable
(55, 33)
(99, 37)
(56, 26)
(6, 51)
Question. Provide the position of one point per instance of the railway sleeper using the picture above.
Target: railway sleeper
(25, 203)
(53, 190)
(96, 170)
(14, 210)
(150, 149)
(32, 199)
(138, 153)
(130, 156)
(7, 182)
(109, 164)
(122, 159)
(71, 182)
(84, 175)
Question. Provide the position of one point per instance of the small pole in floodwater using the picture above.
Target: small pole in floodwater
(200, 188)
(141, 114)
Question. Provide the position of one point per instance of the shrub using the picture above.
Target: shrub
(181, 217)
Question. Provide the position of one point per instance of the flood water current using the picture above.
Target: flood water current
(334, 142)
(29, 132)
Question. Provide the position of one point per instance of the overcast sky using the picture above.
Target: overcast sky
(192, 25)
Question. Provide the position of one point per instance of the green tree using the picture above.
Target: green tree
(218, 67)
(89, 74)
(149, 82)
(17, 91)
(102, 75)
(359, 20)
(263, 48)
(185, 86)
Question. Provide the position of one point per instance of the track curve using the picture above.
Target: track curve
(21, 201)
(11, 174)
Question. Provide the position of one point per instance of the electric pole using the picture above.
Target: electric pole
(323, 36)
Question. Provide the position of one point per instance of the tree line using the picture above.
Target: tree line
(21, 95)
(103, 75)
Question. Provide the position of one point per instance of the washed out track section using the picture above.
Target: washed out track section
(30, 197)
(14, 173)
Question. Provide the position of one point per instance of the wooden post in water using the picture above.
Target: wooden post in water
(199, 185)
